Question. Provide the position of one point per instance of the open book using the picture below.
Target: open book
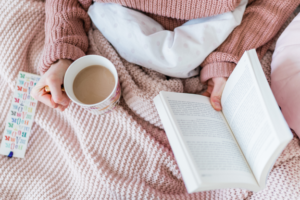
(235, 148)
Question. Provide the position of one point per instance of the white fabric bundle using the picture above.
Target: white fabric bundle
(141, 40)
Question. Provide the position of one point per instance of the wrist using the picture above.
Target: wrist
(62, 63)
(65, 61)
(218, 69)
(57, 52)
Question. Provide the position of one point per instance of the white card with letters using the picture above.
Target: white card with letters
(20, 117)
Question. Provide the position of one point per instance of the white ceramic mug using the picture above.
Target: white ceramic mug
(108, 104)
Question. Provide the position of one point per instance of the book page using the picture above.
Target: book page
(208, 140)
(280, 128)
(244, 110)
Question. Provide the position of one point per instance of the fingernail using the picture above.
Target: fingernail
(65, 103)
(60, 108)
(217, 105)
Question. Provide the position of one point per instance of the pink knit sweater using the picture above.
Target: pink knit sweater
(67, 23)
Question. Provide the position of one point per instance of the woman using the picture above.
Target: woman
(67, 23)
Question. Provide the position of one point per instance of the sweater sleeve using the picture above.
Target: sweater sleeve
(66, 27)
(261, 22)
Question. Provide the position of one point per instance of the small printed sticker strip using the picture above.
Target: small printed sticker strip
(20, 117)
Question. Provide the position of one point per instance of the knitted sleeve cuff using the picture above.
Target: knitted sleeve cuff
(217, 69)
(54, 52)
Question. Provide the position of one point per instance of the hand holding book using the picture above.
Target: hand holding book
(215, 87)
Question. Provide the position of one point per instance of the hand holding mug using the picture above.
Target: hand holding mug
(53, 78)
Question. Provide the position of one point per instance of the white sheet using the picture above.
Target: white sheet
(141, 40)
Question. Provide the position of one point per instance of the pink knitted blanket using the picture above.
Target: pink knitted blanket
(121, 155)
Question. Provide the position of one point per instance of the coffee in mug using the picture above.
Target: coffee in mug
(92, 82)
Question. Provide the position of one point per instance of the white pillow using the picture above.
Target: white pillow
(285, 74)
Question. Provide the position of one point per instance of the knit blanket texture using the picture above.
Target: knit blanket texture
(121, 155)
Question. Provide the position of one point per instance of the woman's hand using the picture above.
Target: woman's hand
(214, 91)
(54, 78)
